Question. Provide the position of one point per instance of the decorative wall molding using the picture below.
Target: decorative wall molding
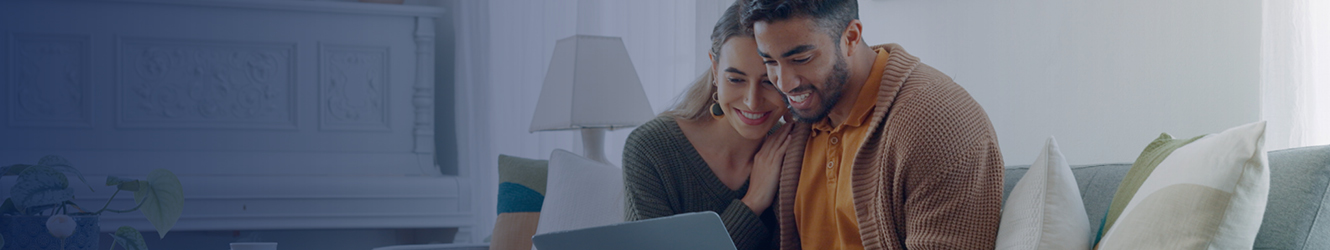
(165, 83)
(50, 81)
(304, 6)
(423, 98)
(465, 234)
(228, 162)
(241, 122)
(299, 202)
(354, 87)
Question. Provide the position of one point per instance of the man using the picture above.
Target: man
(896, 155)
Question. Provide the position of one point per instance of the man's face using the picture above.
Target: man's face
(806, 64)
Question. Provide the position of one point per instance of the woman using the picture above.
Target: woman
(712, 151)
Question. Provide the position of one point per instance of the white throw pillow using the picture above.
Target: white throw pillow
(1208, 194)
(580, 193)
(1044, 210)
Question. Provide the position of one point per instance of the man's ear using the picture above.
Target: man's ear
(852, 36)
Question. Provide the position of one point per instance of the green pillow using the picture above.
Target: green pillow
(1156, 152)
(521, 184)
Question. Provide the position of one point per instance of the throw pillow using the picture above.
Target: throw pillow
(1154, 153)
(582, 193)
(1207, 194)
(521, 193)
(1044, 210)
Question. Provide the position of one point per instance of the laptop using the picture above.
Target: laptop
(701, 230)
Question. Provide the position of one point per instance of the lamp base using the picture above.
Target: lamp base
(593, 144)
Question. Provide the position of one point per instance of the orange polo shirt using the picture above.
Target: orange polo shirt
(824, 203)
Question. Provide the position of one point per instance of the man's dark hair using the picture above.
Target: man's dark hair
(832, 16)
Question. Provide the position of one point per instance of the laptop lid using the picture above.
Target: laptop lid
(701, 230)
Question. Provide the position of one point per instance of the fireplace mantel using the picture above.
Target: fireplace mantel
(275, 114)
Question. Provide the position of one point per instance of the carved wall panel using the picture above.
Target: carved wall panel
(353, 87)
(197, 84)
(50, 84)
(301, 102)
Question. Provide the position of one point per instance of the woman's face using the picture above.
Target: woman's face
(752, 103)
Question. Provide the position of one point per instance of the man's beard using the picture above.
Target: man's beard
(835, 84)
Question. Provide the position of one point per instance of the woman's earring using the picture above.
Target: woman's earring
(716, 110)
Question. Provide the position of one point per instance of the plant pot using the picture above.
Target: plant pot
(24, 232)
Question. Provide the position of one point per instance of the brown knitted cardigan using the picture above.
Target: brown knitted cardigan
(929, 174)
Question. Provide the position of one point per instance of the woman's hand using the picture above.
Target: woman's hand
(765, 176)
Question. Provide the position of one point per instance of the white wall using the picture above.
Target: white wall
(505, 48)
(1104, 77)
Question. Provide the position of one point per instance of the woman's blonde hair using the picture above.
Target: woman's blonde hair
(695, 103)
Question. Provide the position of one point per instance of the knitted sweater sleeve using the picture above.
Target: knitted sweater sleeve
(650, 196)
(952, 179)
(645, 191)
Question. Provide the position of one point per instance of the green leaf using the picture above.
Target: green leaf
(53, 160)
(131, 185)
(129, 238)
(40, 185)
(163, 200)
(13, 169)
(59, 163)
(8, 207)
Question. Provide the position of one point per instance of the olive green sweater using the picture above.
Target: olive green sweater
(664, 175)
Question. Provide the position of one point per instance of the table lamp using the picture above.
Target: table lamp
(591, 85)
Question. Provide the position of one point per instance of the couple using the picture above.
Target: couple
(880, 151)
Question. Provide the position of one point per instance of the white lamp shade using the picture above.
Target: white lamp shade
(591, 83)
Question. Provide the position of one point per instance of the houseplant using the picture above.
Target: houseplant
(40, 212)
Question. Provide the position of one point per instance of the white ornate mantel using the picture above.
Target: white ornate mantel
(275, 114)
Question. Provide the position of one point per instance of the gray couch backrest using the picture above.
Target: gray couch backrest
(1296, 216)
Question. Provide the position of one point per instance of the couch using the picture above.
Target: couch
(1298, 189)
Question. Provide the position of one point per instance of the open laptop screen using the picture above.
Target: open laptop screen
(701, 230)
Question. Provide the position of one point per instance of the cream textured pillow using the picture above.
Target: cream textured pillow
(1208, 194)
(1044, 210)
(581, 193)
